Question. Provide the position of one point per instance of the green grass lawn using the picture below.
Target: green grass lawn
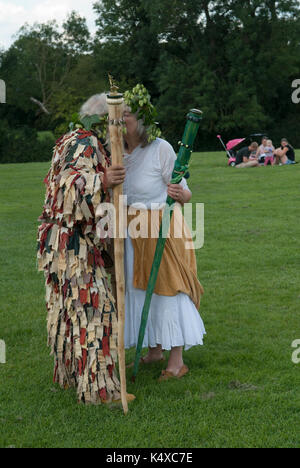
(243, 389)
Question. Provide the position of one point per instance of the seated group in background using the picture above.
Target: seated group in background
(265, 154)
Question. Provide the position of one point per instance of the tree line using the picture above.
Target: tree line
(235, 60)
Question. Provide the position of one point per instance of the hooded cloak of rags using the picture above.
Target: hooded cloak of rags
(82, 315)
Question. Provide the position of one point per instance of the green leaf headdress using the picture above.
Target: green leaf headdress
(90, 122)
(139, 101)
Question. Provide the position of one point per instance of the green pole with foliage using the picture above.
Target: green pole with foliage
(180, 170)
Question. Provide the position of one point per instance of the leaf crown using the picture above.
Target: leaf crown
(139, 101)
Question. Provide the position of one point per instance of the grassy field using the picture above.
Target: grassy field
(243, 389)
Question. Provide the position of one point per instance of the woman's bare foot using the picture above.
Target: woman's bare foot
(153, 355)
(174, 370)
(166, 375)
(175, 362)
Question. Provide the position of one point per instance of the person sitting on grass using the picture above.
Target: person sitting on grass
(245, 158)
(285, 154)
(260, 153)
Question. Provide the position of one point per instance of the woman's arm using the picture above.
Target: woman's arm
(281, 152)
(179, 192)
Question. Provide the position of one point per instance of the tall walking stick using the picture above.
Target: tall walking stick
(115, 115)
(181, 166)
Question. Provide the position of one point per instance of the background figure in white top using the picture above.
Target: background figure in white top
(174, 321)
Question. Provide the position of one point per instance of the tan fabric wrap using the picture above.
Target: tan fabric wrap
(178, 268)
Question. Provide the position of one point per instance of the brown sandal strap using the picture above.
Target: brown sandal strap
(165, 375)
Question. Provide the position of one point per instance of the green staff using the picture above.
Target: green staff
(180, 169)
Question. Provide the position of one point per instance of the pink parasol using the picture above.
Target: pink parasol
(232, 143)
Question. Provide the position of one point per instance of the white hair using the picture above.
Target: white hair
(141, 128)
(96, 104)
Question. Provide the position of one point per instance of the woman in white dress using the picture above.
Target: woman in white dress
(174, 321)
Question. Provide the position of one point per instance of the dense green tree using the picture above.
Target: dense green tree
(239, 68)
(40, 60)
(234, 59)
(42, 90)
(76, 35)
(127, 41)
(84, 80)
(33, 68)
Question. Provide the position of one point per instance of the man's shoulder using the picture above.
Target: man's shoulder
(78, 143)
(243, 150)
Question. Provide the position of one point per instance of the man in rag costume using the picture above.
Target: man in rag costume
(82, 315)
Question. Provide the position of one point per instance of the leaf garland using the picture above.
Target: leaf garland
(139, 101)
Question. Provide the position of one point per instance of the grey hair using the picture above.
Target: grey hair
(96, 104)
(141, 129)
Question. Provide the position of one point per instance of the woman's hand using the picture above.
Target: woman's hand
(177, 192)
(115, 175)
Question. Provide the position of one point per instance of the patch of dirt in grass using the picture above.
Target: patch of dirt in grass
(208, 396)
(237, 385)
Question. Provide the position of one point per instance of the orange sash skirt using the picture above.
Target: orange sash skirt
(178, 269)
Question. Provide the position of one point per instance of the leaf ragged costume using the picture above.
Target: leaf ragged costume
(82, 316)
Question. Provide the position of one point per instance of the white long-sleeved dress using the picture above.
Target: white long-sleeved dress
(173, 320)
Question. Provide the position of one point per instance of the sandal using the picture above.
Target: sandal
(166, 375)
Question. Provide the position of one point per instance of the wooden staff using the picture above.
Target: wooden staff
(115, 114)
